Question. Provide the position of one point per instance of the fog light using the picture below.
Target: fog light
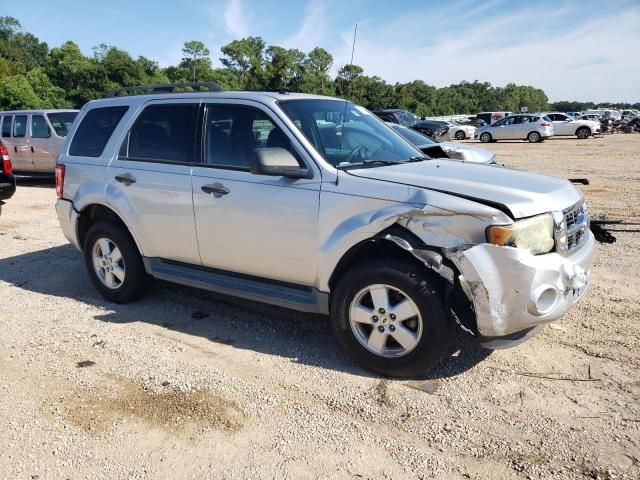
(543, 300)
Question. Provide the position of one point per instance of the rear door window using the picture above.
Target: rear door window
(39, 127)
(162, 133)
(20, 126)
(94, 131)
(6, 125)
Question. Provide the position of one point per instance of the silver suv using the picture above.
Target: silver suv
(314, 204)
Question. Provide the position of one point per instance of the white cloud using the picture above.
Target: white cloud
(551, 50)
(312, 31)
(231, 17)
(234, 19)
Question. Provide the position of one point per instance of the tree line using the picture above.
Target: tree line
(34, 76)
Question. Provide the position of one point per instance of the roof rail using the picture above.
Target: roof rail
(164, 88)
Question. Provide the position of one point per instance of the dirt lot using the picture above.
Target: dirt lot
(185, 384)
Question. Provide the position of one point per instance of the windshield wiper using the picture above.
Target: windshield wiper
(367, 162)
(418, 158)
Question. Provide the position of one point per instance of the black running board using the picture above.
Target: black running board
(295, 297)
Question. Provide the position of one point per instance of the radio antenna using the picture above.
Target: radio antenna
(344, 116)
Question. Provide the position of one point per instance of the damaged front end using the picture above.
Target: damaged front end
(502, 294)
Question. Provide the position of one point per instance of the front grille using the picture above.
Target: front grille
(573, 230)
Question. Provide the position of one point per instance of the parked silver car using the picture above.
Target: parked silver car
(450, 150)
(532, 127)
(313, 203)
(34, 138)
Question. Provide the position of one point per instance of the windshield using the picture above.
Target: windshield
(407, 118)
(347, 135)
(61, 122)
(414, 137)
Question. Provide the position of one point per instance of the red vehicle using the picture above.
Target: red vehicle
(7, 180)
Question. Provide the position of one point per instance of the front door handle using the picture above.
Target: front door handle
(217, 189)
(32, 149)
(15, 149)
(125, 178)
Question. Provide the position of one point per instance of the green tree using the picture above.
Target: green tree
(16, 94)
(195, 57)
(76, 74)
(318, 63)
(245, 58)
(50, 96)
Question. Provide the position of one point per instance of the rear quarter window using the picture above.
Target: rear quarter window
(94, 131)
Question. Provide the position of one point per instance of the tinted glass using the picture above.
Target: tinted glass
(94, 131)
(6, 125)
(414, 137)
(19, 126)
(62, 122)
(232, 133)
(346, 134)
(39, 127)
(506, 121)
(161, 133)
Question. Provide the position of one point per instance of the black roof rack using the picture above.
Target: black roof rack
(164, 88)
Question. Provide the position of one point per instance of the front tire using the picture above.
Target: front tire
(460, 135)
(583, 133)
(389, 316)
(485, 137)
(534, 137)
(113, 263)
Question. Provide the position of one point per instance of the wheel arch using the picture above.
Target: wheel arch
(393, 242)
(581, 127)
(95, 212)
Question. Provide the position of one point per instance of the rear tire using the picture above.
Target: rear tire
(409, 335)
(583, 133)
(485, 137)
(534, 137)
(460, 135)
(113, 263)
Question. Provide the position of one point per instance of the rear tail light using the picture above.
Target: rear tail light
(59, 179)
(545, 124)
(5, 165)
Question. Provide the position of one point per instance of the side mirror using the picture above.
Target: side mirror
(277, 162)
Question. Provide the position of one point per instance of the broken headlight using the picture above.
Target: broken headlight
(534, 234)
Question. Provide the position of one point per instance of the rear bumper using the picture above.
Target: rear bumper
(68, 219)
(513, 291)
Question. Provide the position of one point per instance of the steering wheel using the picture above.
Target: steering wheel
(360, 150)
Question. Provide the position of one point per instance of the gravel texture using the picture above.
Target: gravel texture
(186, 384)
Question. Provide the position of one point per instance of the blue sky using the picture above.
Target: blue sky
(582, 50)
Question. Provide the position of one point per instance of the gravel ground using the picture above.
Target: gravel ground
(185, 384)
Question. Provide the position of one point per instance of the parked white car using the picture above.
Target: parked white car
(564, 125)
(459, 131)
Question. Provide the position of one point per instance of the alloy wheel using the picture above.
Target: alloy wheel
(108, 263)
(385, 321)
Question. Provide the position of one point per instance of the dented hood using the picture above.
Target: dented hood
(523, 194)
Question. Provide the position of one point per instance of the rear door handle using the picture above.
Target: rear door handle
(32, 149)
(15, 149)
(217, 189)
(125, 178)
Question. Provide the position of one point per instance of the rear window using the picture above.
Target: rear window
(94, 131)
(162, 133)
(6, 125)
(62, 122)
(20, 126)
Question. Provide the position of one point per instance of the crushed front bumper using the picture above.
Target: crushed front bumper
(513, 291)
(68, 219)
